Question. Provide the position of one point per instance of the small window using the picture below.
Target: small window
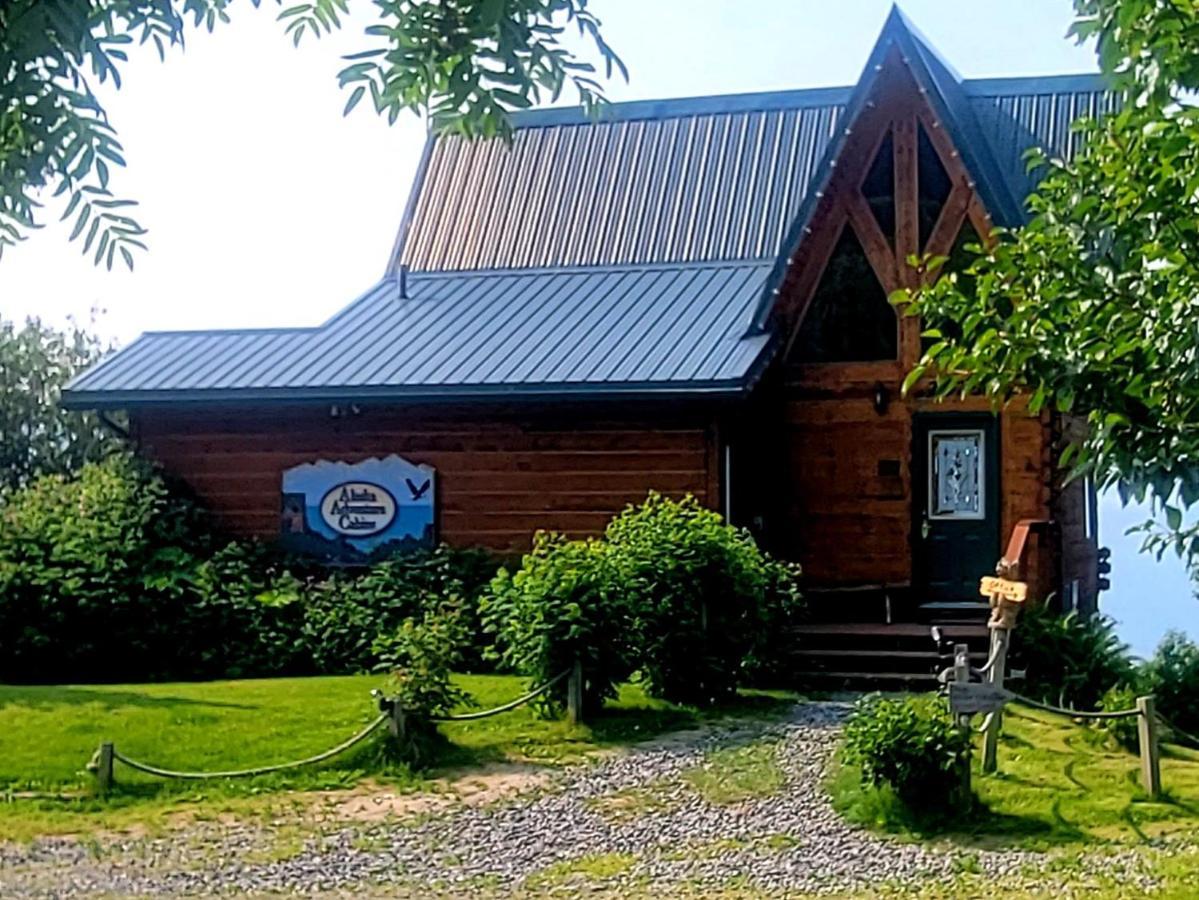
(849, 318)
(879, 188)
(933, 185)
(955, 486)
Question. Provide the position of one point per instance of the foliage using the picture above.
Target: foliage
(1090, 307)
(1124, 731)
(468, 63)
(95, 574)
(1070, 660)
(703, 599)
(114, 573)
(1172, 676)
(245, 616)
(910, 744)
(421, 655)
(347, 611)
(563, 604)
(37, 436)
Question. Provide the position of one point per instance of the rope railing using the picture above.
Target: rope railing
(1075, 713)
(104, 759)
(258, 770)
(507, 707)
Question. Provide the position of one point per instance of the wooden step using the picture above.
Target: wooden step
(868, 680)
(924, 655)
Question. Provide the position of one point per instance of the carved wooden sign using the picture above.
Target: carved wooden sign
(969, 698)
(1015, 591)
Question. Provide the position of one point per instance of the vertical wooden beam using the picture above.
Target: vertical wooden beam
(1151, 767)
(1000, 638)
(961, 675)
(574, 694)
(907, 231)
(907, 218)
(104, 762)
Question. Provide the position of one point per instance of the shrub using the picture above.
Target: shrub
(421, 655)
(96, 572)
(1071, 660)
(246, 616)
(1124, 732)
(911, 745)
(1173, 678)
(348, 611)
(704, 599)
(562, 604)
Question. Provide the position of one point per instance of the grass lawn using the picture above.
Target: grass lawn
(1058, 784)
(47, 735)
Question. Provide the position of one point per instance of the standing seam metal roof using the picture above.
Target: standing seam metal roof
(638, 253)
(650, 328)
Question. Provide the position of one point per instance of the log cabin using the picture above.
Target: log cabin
(688, 296)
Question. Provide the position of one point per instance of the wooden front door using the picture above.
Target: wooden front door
(955, 502)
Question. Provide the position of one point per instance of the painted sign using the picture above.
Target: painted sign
(1016, 591)
(358, 512)
(969, 698)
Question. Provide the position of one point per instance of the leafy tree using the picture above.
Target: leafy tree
(1091, 308)
(466, 63)
(37, 436)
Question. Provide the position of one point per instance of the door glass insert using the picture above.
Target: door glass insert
(956, 474)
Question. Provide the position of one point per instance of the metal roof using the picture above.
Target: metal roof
(649, 330)
(707, 178)
(638, 253)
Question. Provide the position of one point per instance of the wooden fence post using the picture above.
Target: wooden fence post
(1151, 767)
(961, 675)
(1000, 638)
(574, 694)
(104, 768)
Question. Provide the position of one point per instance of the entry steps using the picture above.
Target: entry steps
(865, 656)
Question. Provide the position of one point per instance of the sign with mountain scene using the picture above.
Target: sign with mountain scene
(358, 512)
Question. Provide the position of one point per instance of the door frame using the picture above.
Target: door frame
(923, 424)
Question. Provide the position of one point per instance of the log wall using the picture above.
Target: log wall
(499, 476)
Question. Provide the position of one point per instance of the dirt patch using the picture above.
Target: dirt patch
(372, 802)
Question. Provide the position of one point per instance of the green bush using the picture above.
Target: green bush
(421, 656)
(1124, 731)
(1070, 660)
(1172, 676)
(562, 604)
(705, 601)
(246, 616)
(910, 745)
(96, 574)
(345, 613)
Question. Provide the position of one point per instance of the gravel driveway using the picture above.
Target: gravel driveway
(629, 825)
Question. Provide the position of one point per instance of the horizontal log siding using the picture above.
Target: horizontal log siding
(848, 522)
(499, 477)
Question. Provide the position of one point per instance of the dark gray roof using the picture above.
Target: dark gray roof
(635, 254)
(649, 330)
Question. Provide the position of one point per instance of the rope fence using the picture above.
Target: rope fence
(104, 759)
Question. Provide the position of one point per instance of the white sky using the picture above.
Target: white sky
(267, 207)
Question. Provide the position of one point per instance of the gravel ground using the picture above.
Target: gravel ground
(556, 838)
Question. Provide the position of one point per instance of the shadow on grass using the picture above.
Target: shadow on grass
(50, 698)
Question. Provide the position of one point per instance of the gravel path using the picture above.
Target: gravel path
(574, 832)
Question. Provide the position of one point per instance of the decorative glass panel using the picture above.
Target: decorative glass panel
(956, 475)
(848, 318)
(933, 185)
(879, 188)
